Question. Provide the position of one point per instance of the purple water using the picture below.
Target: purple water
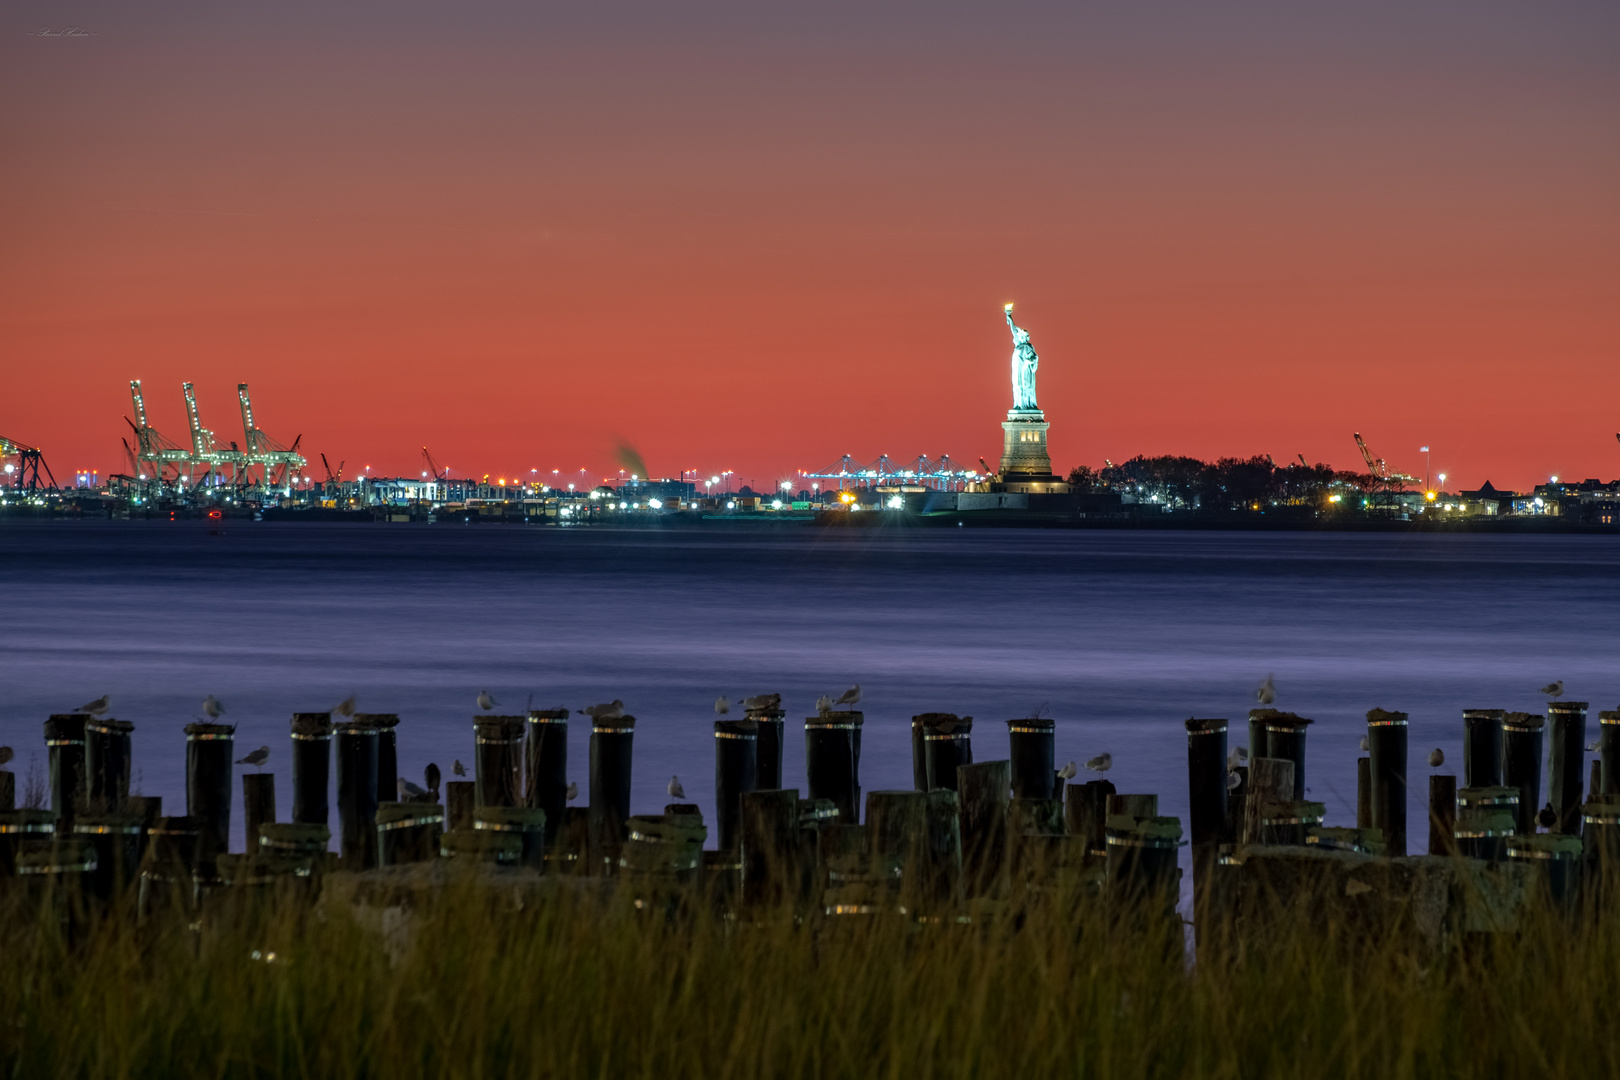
(1119, 635)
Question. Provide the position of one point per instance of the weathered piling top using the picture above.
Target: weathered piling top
(1483, 714)
(1205, 727)
(293, 836)
(1609, 716)
(835, 718)
(944, 723)
(770, 713)
(1385, 718)
(108, 725)
(498, 729)
(1032, 725)
(548, 716)
(1277, 720)
(379, 720)
(354, 726)
(66, 728)
(1522, 721)
(509, 818)
(1487, 797)
(1566, 708)
(27, 821)
(745, 727)
(311, 725)
(201, 732)
(613, 723)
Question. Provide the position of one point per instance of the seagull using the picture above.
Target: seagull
(1234, 780)
(1594, 746)
(1101, 763)
(722, 704)
(1067, 772)
(486, 702)
(257, 758)
(98, 706)
(762, 701)
(1365, 746)
(6, 754)
(573, 790)
(852, 696)
(1553, 689)
(674, 788)
(823, 704)
(1238, 756)
(613, 710)
(213, 707)
(345, 707)
(1267, 692)
(431, 775)
(458, 768)
(409, 791)
(1437, 758)
(1548, 817)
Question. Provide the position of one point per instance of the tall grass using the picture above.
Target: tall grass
(568, 981)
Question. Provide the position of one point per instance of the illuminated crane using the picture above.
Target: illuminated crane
(277, 463)
(23, 473)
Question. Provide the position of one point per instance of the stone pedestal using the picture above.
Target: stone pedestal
(1024, 446)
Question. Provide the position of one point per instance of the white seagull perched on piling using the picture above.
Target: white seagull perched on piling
(213, 707)
(1068, 771)
(1594, 746)
(573, 790)
(674, 788)
(257, 758)
(486, 702)
(762, 701)
(1234, 780)
(1553, 689)
(345, 707)
(409, 791)
(722, 704)
(1437, 758)
(1101, 763)
(98, 706)
(823, 704)
(852, 696)
(458, 768)
(613, 710)
(1366, 747)
(1267, 692)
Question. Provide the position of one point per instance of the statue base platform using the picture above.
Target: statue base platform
(1025, 464)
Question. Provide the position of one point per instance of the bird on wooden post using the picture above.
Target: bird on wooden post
(98, 706)
(1267, 693)
(458, 768)
(257, 758)
(824, 705)
(485, 702)
(674, 788)
(1553, 689)
(1067, 772)
(573, 790)
(852, 696)
(1101, 763)
(213, 707)
(722, 704)
(613, 710)
(1548, 817)
(1437, 758)
(409, 791)
(1239, 755)
(345, 707)
(431, 775)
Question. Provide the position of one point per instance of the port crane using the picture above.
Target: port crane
(24, 472)
(1388, 483)
(437, 474)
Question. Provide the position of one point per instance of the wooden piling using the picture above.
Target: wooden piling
(1139, 806)
(64, 743)
(8, 790)
(1566, 722)
(983, 788)
(919, 756)
(831, 762)
(612, 743)
(1257, 735)
(258, 805)
(1486, 817)
(387, 753)
(460, 800)
(944, 845)
(311, 768)
(117, 841)
(546, 766)
(1364, 814)
(1594, 786)
(1095, 825)
(498, 759)
(1523, 740)
(736, 764)
(1271, 781)
(1285, 740)
(106, 759)
(1442, 815)
(1482, 747)
(897, 822)
(768, 748)
(1206, 784)
(1387, 763)
(947, 746)
(526, 823)
(1608, 751)
(770, 847)
(357, 793)
(1031, 752)
(209, 752)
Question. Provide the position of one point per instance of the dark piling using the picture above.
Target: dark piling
(209, 750)
(982, 788)
(768, 749)
(1566, 721)
(1609, 751)
(1486, 817)
(117, 840)
(1482, 747)
(1442, 815)
(832, 763)
(17, 826)
(1523, 736)
(919, 756)
(258, 805)
(1271, 783)
(357, 793)
(546, 763)
(1387, 752)
(1206, 783)
(460, 801)
(947, 746)
(736, 745)
(387, 753)
(8, 790)
(173, 845)
(1285, 741)
(611, 747)
(770, 847)
(311, 768)
(1364, 793)
(64, 745)
(408, 832)
(1031, 752)
(107, 757)
(498, 759)
(529, 825)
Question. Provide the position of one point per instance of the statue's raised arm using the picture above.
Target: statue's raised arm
(1025, 362)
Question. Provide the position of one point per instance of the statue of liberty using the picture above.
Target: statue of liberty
(1024, 363)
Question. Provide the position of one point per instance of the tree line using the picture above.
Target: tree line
(1229, 483)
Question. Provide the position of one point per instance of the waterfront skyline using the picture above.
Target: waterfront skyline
(760, 240)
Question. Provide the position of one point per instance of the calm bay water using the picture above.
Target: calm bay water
(1118, 635)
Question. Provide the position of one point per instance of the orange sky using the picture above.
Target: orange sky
(757, 239)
